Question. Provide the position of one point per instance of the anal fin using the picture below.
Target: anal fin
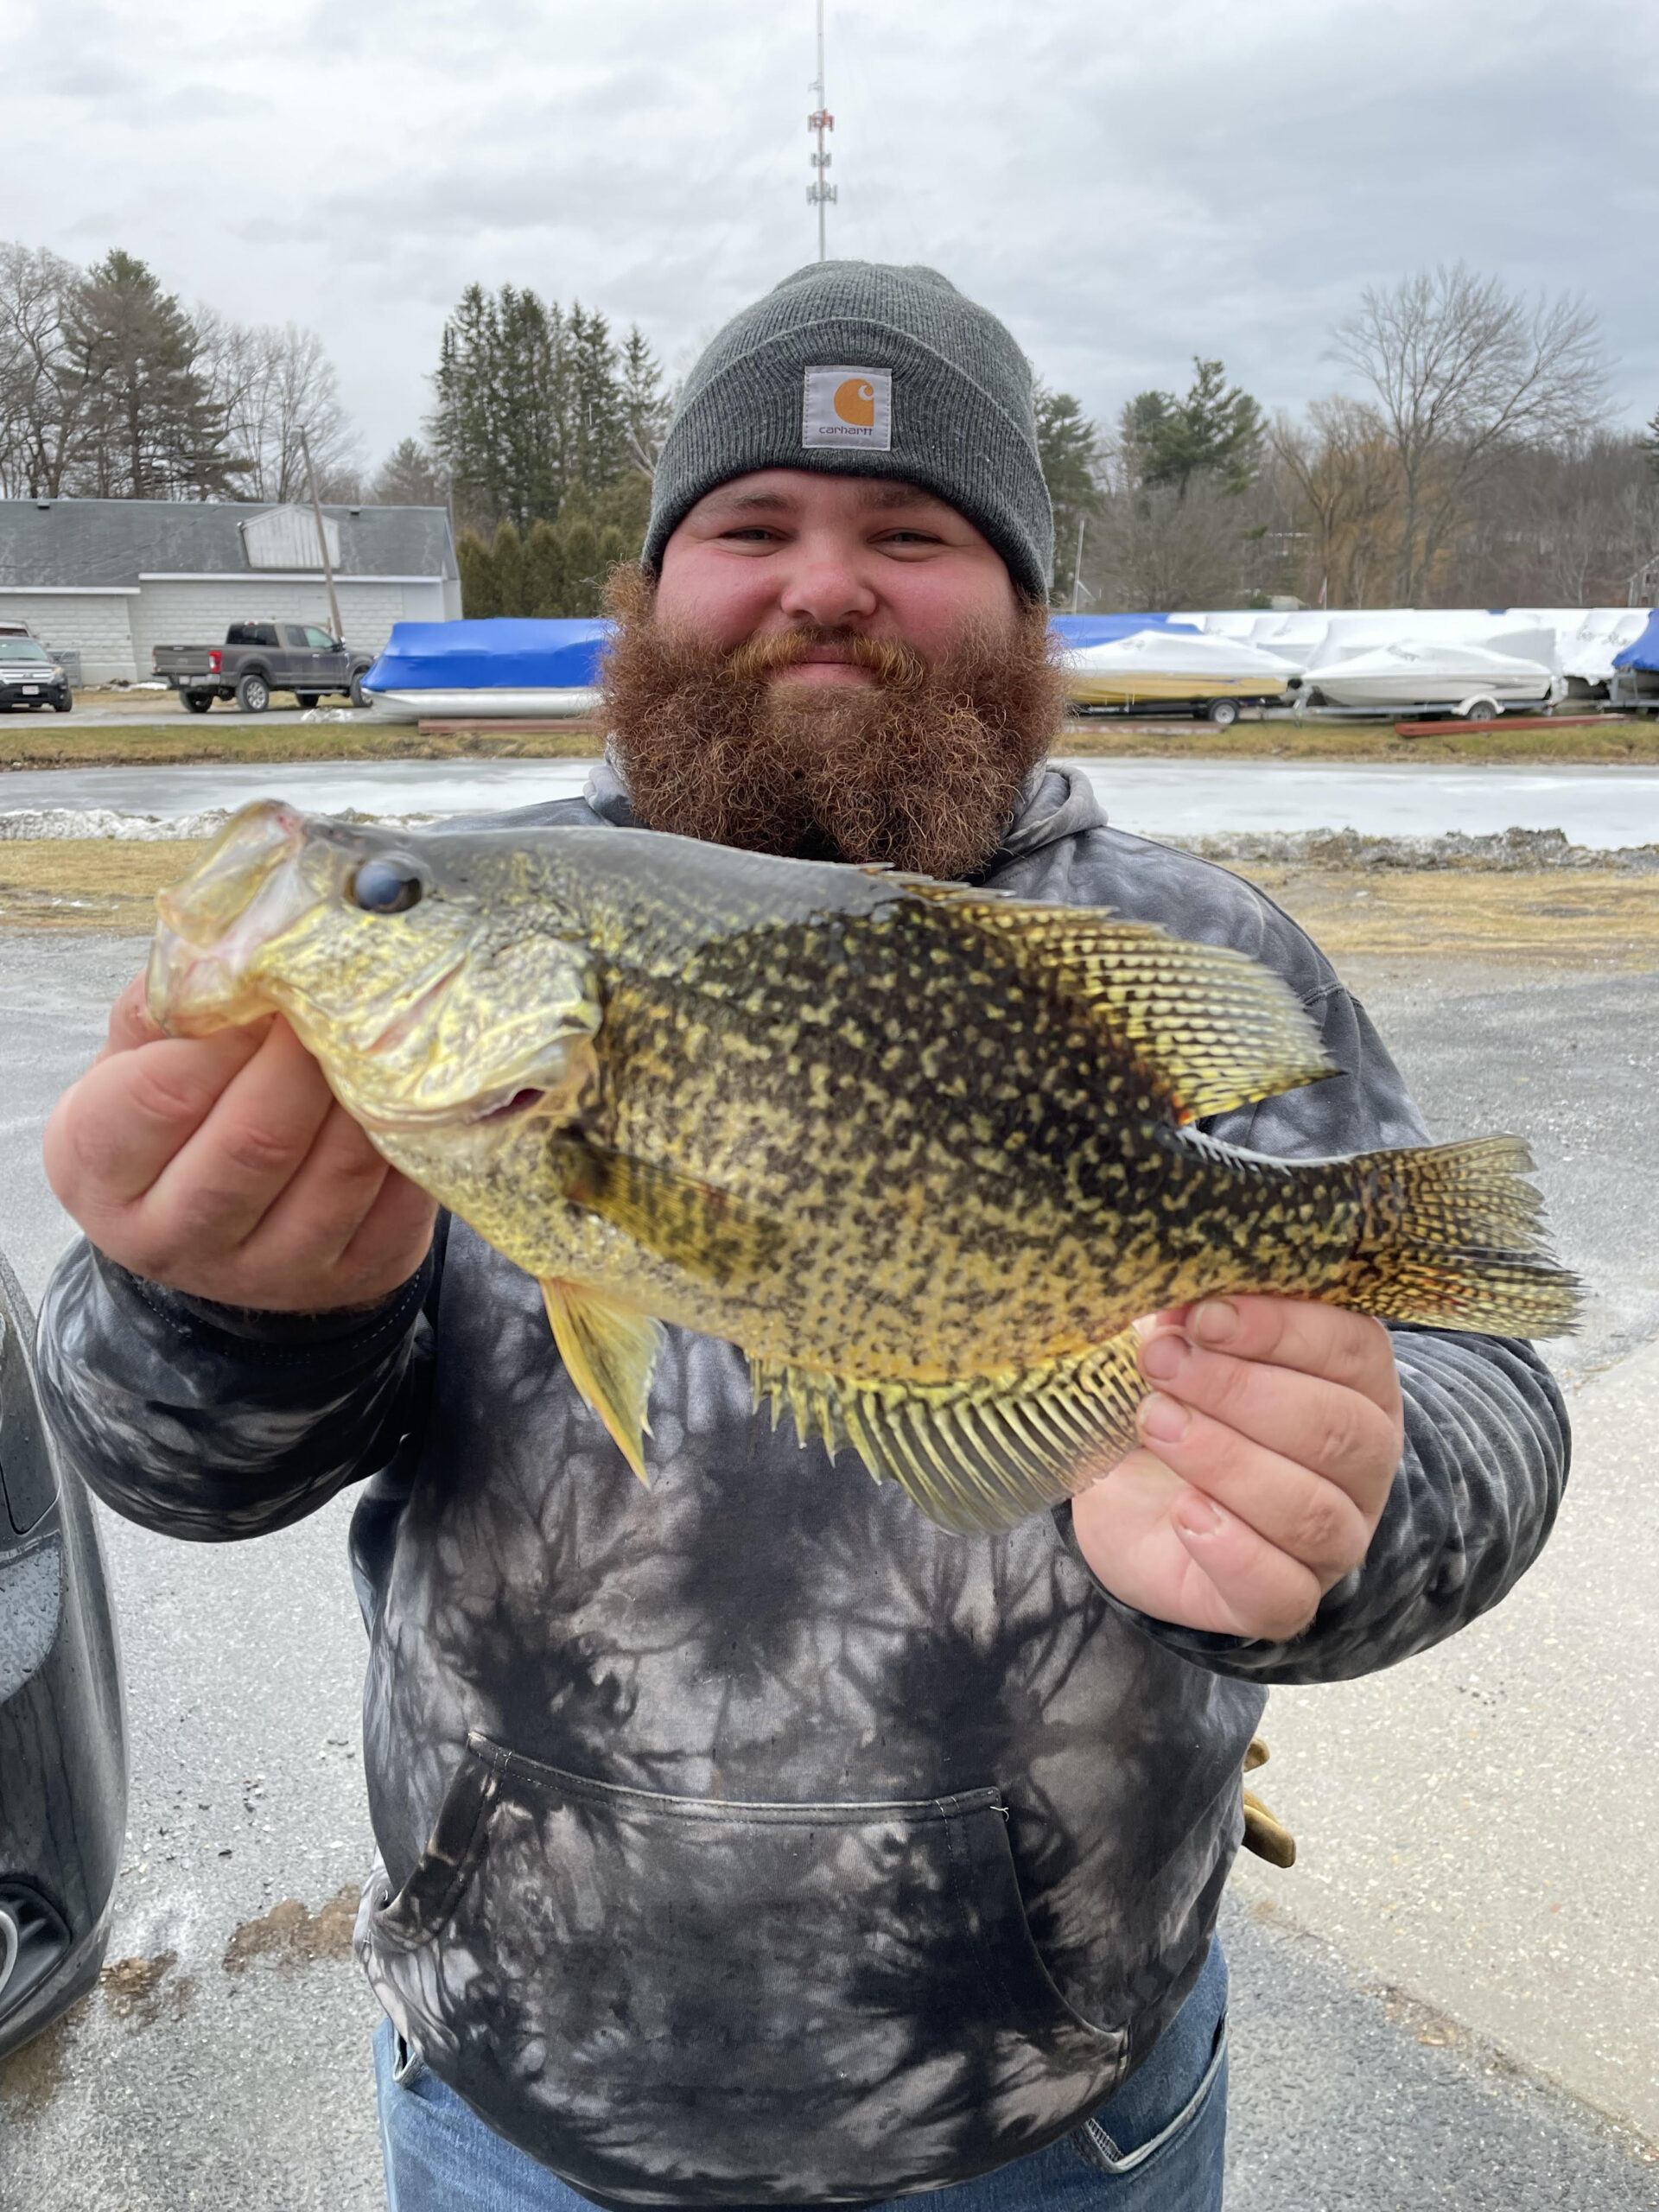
(609, 1352)
(980, 1454)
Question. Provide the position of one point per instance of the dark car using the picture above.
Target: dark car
(259, 658)
(63, 1760)
(30, 678)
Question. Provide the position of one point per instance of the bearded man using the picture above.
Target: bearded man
(750, 1840)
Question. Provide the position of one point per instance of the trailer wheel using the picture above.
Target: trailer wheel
(253, 694)
(1479, 710)
(1223, 713)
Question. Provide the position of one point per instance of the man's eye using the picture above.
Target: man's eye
(387, 886)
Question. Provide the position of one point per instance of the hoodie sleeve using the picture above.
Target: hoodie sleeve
(1486, 1450)
(210, 1423)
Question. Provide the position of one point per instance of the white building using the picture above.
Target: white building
(110, 578)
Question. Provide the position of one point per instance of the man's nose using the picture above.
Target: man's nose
(828, 584)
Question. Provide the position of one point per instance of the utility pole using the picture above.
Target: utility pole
(323, 538)
(818, 194)
(1077, 566)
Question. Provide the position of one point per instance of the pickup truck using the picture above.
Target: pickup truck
(259, 658)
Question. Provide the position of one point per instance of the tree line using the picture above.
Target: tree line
(1471, 461)
(112, 389)
(1474, 465)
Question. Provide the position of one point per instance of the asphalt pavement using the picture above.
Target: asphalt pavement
(224, 2062)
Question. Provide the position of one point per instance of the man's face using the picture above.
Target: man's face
(784, 550)
(836, 666)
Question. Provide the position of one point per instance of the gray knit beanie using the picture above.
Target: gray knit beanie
(862, 369)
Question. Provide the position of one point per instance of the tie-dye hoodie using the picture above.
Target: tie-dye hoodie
(751, 1840)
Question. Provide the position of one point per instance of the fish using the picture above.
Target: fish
(924, 1152)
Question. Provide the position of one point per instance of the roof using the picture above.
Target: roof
(66, 542)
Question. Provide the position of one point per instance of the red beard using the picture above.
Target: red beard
(921, 769)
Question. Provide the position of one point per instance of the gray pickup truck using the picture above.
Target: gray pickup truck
(259, 658)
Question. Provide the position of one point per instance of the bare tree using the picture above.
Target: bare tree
(39, 414)
(1157, 549)
(1346, 479)
(272, 381)
(409, 476)
(1464, 369)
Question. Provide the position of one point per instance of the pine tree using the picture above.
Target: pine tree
(149, 427)
(1214, 430)
(1068, 446)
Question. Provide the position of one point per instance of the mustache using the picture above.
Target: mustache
(895, 665)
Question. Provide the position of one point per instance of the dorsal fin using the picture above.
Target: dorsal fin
(1215, 1028)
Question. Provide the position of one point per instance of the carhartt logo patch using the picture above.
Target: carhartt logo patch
(848, 407)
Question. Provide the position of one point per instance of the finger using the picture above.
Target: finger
(1129, 1527)
(392, 1239)
(1303, 1333)
(113, 1132)
(131, 1022)
(1315, 1520)
(1258, 1590)
(1337, 1431)
(218, 1187)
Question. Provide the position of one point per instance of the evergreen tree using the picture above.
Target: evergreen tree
(1216, 430)
(1068, 446)
(531, 402)
(147, 424)
(646, 407)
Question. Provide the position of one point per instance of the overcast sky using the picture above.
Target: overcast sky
(1126, 185)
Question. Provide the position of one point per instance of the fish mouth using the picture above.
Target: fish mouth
(248, 888)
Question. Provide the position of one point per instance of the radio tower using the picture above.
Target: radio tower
(818, 194)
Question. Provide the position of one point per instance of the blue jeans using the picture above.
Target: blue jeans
(1156, 2147)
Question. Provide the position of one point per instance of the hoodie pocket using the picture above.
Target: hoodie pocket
(699, 2001)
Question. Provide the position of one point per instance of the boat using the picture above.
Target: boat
(1446, 675)
(1178, 668)
(502, 669)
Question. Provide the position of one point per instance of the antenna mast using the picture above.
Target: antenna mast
(818, 194)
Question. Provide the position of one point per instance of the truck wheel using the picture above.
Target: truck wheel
(197, 702)
(62, 706)
(1223, 713)
(360, 698)
(253, 694)
(307, 700)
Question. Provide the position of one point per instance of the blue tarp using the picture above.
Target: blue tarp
(1106, 629)
(1644, 653)
(503, 652)
(522, 655)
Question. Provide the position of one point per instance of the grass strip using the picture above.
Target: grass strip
(51, 743)
(1578, 918)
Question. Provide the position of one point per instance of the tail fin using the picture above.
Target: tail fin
(1452, 1238)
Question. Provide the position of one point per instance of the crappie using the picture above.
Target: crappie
(924, 1153)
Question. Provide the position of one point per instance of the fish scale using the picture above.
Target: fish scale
(926, 1154)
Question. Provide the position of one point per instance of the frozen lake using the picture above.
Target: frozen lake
(1604, 807)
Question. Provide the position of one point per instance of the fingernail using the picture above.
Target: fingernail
(1215, 1322)
(1195, 1516)
(1164, 1356)
(1164, 1419)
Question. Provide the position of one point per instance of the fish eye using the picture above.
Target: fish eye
(387, 886)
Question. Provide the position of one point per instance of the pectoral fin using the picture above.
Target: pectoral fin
(609, 1352)
(704, 1230)
(981, 1454)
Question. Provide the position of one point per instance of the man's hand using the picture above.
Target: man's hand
(223, 1168)
(1269, 1446)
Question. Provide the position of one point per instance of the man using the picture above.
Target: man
(750, 1840)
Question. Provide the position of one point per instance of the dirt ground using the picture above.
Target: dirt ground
(1582, 917)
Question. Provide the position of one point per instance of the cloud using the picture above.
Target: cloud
(1127, 185)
